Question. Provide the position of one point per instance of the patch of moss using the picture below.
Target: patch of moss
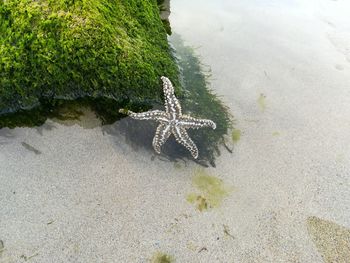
(167, 26)
(236, 135)
(211, 190)
(70, 49)
(160, 257)
(200, 201)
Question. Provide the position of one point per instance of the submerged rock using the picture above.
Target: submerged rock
(61, 59)
(70, 49)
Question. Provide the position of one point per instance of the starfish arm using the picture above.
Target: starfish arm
(189, 122)
(183, 138)
(172, 105)
(156, 115)
(162, 134)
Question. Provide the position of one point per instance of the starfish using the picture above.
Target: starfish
(172, 121)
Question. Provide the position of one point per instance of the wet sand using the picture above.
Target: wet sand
(74, 193)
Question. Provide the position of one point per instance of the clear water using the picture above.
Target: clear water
(72, 194)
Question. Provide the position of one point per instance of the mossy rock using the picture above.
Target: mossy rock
(60, 56)
(75, 48)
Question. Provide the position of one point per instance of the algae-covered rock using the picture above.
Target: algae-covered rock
(59, 58)
(75, 48)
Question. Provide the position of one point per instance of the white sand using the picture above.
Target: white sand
(90, 197)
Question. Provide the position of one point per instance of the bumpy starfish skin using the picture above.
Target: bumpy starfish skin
(172, 121)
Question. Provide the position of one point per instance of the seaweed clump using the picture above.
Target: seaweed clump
(81, 48)
(200, 101)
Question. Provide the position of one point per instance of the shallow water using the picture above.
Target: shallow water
(283, 69)
(71, 194)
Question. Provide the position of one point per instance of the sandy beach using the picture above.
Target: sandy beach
(72, 192)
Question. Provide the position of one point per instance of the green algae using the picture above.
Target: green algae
(331, 239)
(210, 191)
(69, 112)
(236, 135)
(262, 102)
(160, 257)
(200, 101)
(85, 118)
(200, 201)
(71, 49)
